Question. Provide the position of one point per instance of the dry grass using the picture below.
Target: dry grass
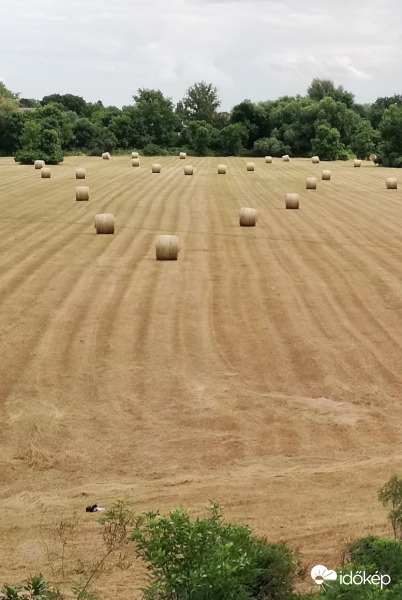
(256, 370)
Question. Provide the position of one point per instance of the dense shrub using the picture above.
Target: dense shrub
(154, 150)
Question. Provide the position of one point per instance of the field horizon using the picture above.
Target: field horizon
(262, 369)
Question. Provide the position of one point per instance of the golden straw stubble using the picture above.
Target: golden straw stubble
(247, 217)
(82, 193)
(104, 223)
(292, 200)
(167, 247)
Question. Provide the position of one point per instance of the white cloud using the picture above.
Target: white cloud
(258, 49)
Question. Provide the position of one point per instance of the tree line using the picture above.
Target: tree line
(326, 122)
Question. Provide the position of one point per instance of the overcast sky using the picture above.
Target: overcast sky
(257, 49)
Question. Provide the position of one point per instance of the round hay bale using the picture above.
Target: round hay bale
(39, 164)
(248, 217)
(292, 200)
(45, 173)
(357, 162)
(268, 159)
(135, 162)
(326, 175)
(80, 173)
(167, 247)
(156, 168)
(221, 169)
(373, 156)
(82, 193)
(188, 170)
(250, 166)
(182, 155)
(311, 183)
(135, 155)
(104, 223)
(391, 183)
(315, 160)
(286, 158)
(106, 156)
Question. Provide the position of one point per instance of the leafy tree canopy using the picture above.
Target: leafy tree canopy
(201, 102)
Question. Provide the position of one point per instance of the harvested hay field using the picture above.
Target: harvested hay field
(261, 369)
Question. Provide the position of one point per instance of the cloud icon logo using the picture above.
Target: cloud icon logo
(321, 574)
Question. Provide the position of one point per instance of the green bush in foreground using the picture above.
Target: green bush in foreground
(208, 559)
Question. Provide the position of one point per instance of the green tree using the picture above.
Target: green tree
(365, 141)
(199, 136)
(28, 103)
(270, 147)
(201, 101)
(390, 147)
(52, 116)
(326, 143)
(68, 101)
(380, 106)
(391, 495)
(157, 116)
(38, 142)
(323, 88)
(231, 139)
(254, 118)
(11, 126)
